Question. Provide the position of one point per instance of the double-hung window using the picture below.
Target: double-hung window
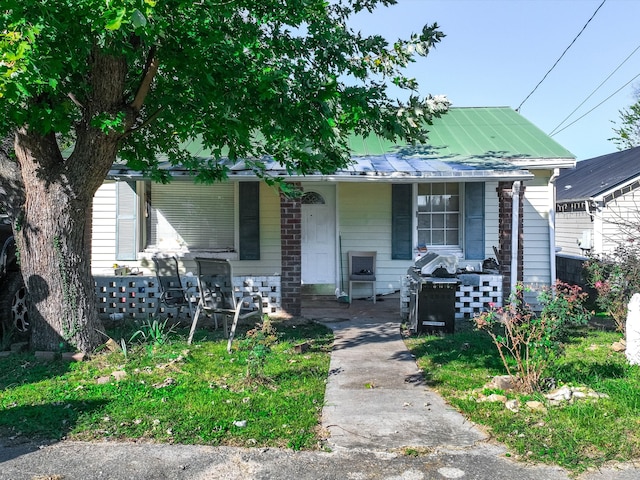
(439, 214)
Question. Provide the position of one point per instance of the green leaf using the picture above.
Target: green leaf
(114, 18)
(138, 20)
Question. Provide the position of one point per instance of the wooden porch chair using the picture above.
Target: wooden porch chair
(215, 282)
(362, 269)
(173, 294)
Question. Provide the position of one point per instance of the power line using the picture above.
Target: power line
(552, 132)
(560, 58)
(603, 101)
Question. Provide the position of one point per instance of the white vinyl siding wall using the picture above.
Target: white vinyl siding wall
(537, 266)
(364, 223)
(616, 215)
(103, 239)
(571, 227)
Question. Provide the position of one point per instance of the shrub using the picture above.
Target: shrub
(616, 277)
(527, 341)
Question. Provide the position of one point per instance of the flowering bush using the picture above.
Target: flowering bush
(527, 341)
(616, 278)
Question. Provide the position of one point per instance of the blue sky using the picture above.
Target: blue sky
(496, 52)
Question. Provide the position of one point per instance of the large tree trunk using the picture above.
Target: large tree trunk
(53, 226)
(51, 235)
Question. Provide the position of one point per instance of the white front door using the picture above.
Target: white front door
(319, 235)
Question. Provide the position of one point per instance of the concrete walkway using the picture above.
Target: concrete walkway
(376, 397)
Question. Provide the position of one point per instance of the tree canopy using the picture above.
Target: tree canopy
(628, 127)
(247, 79)
(86, 82)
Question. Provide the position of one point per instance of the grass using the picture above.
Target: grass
(173, 392)
(576, 436)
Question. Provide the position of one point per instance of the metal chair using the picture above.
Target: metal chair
(173, 294)
(215, 282)
(362, 269)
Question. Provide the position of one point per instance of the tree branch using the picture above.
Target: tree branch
(150, 71)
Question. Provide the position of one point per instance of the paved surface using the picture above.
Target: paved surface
(375, 404)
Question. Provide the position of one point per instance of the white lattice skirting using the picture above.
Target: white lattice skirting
(137, 296)
(475, 293)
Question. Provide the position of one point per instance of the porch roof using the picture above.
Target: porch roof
(466, 143)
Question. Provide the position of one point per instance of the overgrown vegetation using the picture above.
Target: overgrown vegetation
(529, 342)
(616, 277)
(576, 435)
(161, 389)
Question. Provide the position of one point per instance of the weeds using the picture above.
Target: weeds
(153, 332)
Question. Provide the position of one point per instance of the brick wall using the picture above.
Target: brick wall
(291, 252)
(505, 227)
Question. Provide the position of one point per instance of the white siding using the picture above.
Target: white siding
(537, 261)
(620, 219)
(572, 227)
(103, 251)
(364, 223)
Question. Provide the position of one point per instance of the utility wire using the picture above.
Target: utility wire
(552, 132)
(560, 58)
(603, 101)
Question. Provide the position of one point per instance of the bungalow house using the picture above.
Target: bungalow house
(483, 187)
(596, 203)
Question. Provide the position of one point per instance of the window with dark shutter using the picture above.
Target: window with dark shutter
(474, 221)
(249, 220)
(401, 222)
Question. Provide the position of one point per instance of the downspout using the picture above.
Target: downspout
(515, 233)
(552, 226)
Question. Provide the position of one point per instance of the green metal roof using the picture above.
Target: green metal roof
(465, 143)
(475, 135)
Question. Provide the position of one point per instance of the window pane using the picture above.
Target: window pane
(196, 216)
(453, 188)
(437, 221)
(453, 203)
(437, 237)
(452, 220)
(452, 237)
(424, 237)
(438, 189)
(437, 203)
(424, 221)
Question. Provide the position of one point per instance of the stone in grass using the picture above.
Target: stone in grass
(536, 406)
(73, 356)
(494, 397)
(512, 405)
(502, 382)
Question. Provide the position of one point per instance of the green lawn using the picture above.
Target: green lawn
(172, 392)
(585, 433)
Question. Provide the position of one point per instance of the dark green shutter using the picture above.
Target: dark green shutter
(401, 222)
(249, 214)
(126, 221)
(474, 221)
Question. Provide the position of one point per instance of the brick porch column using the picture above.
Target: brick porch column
(505, 235)
(291, 253)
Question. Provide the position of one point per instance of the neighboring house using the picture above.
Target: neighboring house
(596, 202)
(453, 195)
